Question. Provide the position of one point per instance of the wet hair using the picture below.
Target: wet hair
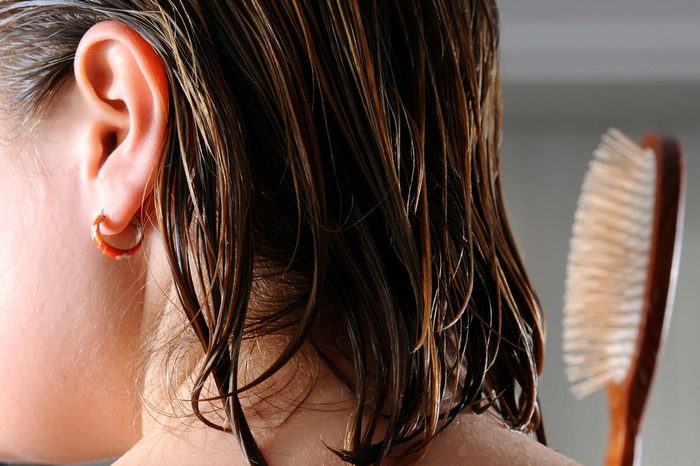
(352, 149)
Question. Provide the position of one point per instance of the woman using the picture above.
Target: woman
(298, 250)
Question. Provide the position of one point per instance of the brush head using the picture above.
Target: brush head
(608, 264)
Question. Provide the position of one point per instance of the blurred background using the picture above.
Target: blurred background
(570, 70)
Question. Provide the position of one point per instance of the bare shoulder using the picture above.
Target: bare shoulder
(197, 446)
(472, 440)
(484, 440)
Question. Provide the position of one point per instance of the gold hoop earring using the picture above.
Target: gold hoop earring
(112, 251)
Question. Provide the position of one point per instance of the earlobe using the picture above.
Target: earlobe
(122, 84)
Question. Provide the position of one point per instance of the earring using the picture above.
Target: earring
(108, 249)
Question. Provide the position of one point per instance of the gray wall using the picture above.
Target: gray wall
(572, 69)
(550, 131)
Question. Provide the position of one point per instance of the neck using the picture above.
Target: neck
(299, 398)
(291, 415)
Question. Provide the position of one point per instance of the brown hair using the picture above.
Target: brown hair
(352, 148)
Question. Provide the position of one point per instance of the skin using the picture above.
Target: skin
(72, 320)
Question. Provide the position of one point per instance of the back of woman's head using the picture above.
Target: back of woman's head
(348, 154)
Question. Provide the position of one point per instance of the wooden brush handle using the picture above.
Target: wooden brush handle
(628, 399)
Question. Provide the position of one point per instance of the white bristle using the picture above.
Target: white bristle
(607, 267)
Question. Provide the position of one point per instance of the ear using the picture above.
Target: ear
(122, 84)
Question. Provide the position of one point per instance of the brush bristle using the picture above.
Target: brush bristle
(607, 267)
